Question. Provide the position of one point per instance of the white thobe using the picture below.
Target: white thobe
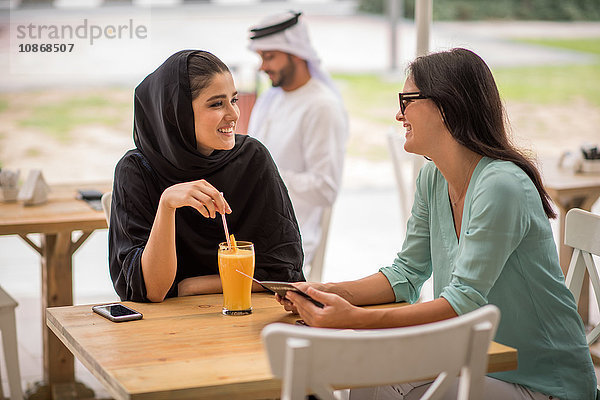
(306, 132)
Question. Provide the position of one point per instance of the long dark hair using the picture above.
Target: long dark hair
(202, 66)
(460, 83)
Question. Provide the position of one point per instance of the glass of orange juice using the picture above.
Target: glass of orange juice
(237, 288)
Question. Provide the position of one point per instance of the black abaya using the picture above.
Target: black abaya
(166, 154)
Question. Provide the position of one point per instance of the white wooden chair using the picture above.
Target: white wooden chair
(106, 200)
(8, 327)
(406, 169)
(315, 268)
(315, 360)
(582, 232)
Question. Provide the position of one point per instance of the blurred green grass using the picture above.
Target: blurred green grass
(364, 94)
(60, 118)
(373, 98)
(585, 45)
(371, 101)
(537, 84)
(370, 98)
(553, 84)
(550, 85)
(369, 95)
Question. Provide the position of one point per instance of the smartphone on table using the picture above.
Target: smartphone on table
(117, 312)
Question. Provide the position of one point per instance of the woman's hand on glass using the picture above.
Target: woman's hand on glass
(200, 195)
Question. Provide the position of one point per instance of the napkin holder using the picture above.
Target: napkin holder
(35, 190)
(9, 181)
(590, 166)
(585, 161)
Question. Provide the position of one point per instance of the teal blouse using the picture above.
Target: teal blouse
(506, 256)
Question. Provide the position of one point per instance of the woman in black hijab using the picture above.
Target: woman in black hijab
(167, 193)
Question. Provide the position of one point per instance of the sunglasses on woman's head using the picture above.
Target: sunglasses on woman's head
(406, 98)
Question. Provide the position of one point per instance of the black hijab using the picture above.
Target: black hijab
(166, 154)
(164, 123)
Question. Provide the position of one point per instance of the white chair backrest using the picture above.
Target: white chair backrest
(106, 200)
(8, 330)
(406, 168)
(582, 232)
(315, 360)
(315, 268)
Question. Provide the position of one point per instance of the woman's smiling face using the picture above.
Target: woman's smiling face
(423, 122)
(216, 114)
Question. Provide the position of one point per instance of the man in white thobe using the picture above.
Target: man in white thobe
(301, 120)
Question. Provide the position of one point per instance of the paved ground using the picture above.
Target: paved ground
(366, 227)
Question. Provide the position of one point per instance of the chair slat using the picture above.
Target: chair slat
(582, 232)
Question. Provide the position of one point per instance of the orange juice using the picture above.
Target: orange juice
(236, 287)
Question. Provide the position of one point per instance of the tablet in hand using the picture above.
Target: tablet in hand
(281, 288)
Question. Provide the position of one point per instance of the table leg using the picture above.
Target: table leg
(57, 284)
(57, 290)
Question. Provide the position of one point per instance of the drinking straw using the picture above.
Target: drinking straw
(225, 227)
(226, 231)
(248, 276)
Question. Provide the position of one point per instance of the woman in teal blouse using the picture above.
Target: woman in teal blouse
(479, 224)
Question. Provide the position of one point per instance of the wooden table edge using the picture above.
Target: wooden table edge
(251, 390)
(270, 388)
(507, 359)
(68, 340)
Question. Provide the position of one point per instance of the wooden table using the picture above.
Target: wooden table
(56, 221)
(570, 190)
(185, 348)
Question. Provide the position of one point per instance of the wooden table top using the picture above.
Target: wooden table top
(185, 348)
(556, 178)
(62, 212)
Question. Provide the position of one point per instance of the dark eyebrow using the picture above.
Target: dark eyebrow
(220, 96)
